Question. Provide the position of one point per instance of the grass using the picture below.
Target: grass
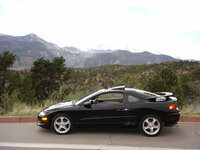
(21, 109)
(191, 109)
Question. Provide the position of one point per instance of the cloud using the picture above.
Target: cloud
(153, 25)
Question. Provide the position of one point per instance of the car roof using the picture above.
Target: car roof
(129, 90)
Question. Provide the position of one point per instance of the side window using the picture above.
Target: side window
(111, 97)
(133, 99)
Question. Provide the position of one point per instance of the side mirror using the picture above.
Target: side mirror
(88, 104)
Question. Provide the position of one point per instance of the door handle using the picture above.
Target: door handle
(125, 109)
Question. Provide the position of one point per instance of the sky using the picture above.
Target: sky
(169, 27)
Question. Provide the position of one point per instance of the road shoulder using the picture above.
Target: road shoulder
(13, 119)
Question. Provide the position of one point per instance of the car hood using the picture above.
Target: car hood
(60, 105)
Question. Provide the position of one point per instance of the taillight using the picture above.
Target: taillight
(173, 106)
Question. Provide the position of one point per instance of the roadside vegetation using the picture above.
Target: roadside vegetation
(26, 92)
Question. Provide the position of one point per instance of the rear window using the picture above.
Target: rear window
(142, 94)
(133, 99)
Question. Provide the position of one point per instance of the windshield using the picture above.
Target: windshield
(87, 97)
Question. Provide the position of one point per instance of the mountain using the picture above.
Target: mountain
(100, 51)
(126, 58)
(30, 47)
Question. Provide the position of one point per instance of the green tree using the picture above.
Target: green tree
(162, 80)
(6, 61)
(26, 90)
(6, 101)
(196, 74)
(14, 79)
(166, 80)
(48, 76)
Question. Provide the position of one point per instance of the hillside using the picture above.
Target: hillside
(136, 76)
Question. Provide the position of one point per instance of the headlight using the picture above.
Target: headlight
(42, 114)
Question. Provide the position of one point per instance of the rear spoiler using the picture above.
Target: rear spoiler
(165, 96)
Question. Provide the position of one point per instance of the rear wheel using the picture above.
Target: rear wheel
(151, 125)
(62, 124)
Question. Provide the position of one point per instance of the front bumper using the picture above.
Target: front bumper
(43, 124)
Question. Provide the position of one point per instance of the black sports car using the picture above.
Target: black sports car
(114, 106)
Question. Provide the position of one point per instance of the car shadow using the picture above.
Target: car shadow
(166, 131)
(106, 130)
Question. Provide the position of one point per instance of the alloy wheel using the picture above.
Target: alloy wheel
(151, 126)
(62, 124)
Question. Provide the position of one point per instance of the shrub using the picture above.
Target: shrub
(167, 81)
(196, 74)
(60, 94)
(7, 100)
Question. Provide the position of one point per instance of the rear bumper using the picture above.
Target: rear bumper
(171, 119)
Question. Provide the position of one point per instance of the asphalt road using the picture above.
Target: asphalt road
(28, 136)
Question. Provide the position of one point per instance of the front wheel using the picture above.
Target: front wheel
(61, 124)
(151, 125)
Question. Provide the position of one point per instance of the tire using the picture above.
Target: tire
(62, 124)
(151, 125)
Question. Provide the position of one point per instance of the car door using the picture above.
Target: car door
(134, 106)
(105, 108)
